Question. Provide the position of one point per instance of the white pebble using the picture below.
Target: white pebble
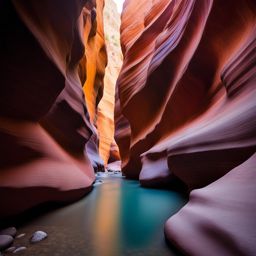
(20, 249)
(20, 235)
(10, 249)
(38, 236)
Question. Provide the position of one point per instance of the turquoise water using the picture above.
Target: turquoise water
(117, 218)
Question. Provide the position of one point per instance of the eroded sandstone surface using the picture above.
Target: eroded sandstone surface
(45, 111)
(186, 110)
(105, 122)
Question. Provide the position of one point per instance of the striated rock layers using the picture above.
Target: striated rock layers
(44, 120)
(186, 110)
(92, 70)
(105, 122)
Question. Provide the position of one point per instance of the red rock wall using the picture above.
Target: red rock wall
(186, 110)
(219, 219)
(181, 69)
(44, 122)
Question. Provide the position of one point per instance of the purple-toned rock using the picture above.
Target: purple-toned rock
(20, 249)
(5, 241)
(10, 249)
(11, 231)
(219, 218)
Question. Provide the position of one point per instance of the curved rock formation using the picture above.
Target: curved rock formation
(92, 71)
(220, 218)
(95, 58)
(44, 122)
(161, 88)
(105, 122)
(186, 109)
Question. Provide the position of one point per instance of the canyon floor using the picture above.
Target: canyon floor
(118, 217)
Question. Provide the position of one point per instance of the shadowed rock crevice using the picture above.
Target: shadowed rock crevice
(17, 94)
(45, 122)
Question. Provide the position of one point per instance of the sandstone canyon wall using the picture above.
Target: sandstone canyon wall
(45, 119)
(186, 111)
(105, 123)
(92, 70)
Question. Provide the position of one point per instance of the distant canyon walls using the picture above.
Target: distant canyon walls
(186, 110)
(105, 121)
(101, 65)
(46, 111)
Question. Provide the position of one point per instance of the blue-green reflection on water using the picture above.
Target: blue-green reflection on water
(117, 218)
(144, 212)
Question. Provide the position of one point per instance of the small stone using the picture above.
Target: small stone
(38, 236)
(20, 235)
(97, 183)
(102, 174)
(9, 231)
(5, 241)
(10, 249)
(20, 249)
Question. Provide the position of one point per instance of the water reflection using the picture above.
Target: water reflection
(117, 218)
(143, 214)
(106, 216)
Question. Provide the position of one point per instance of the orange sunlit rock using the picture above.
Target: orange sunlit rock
(95, 59)
(105, 122)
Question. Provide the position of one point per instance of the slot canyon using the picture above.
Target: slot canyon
(128, 127)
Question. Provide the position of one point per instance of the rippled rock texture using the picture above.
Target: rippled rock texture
(45, 120)
(186, 110)
(92, 71)
(105, 122)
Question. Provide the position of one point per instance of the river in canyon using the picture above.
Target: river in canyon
(118, 217)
